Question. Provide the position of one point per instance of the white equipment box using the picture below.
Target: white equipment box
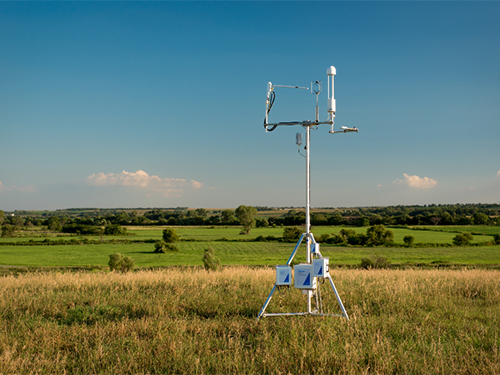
(315, 248)
(283, 275)
(320, 266)
(304, 278)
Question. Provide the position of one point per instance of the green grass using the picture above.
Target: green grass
(484, 229)
(190, 254)
(434, 234)
(236, 253)
(232, 233)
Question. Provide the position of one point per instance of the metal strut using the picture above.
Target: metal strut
(318, 311)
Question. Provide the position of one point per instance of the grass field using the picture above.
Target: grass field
(194, 322)
(484, 229)
(238, 253)
(433, 234)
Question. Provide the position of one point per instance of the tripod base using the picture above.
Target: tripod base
(310, 292)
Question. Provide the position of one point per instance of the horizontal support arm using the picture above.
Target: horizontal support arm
(303, 123)
(347, 130)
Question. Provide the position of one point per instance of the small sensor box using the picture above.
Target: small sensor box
(304, 278)
(283, 275)
(320, 266)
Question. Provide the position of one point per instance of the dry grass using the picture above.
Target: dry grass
(194, 322)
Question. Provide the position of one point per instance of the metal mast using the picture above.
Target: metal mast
(311, 288)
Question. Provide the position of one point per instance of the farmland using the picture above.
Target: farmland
(233, 248)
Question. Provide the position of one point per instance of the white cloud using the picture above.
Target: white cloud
(498, 174)
(417, 182)
(140, 179)
(23, 189)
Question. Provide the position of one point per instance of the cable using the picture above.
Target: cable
(271, 102)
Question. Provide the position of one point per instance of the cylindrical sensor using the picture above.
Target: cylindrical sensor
(298, 139)
(331, 71)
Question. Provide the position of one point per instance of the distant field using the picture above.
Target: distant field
(232, 233)
(190, 254)
(205, 233)
(485, 229)
(234, 252)
(237, 253)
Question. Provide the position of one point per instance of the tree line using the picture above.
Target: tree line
(87, 222)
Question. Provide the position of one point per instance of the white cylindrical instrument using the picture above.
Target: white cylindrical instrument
(331, 71)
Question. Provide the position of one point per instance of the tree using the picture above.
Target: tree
(462, 239)
(123, 218)
(408, 240)
(245, 216)
(120, 263)
(378, 235)
(18, 222)
(128, 264)
(54, 223)
(227, 216)
(496, 238)
(291, 234)
(261, 223)
(7, 230)
(209, 260)
(480, 218)
(347, 234)
(363, 222)
(336, 219)
(170, 235)
(375, 261)
(435, 220)
(319, 219)
(202, 213)
(163, 247)
(114, 230)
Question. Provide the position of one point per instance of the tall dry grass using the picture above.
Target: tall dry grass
(194, 322)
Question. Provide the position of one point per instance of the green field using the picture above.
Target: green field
(237, 253)
(239, 249)
(432, 234)
(484, 229)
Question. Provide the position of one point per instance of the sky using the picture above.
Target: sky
(161, 104)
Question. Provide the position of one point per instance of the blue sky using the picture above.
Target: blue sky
(160, 104)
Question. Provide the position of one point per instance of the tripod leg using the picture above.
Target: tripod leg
(338, 298)
(266, 303)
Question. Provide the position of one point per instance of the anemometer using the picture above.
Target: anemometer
(306, 275)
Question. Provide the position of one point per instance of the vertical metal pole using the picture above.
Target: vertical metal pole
(308, 213)
(308, 195)
(308, 200)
